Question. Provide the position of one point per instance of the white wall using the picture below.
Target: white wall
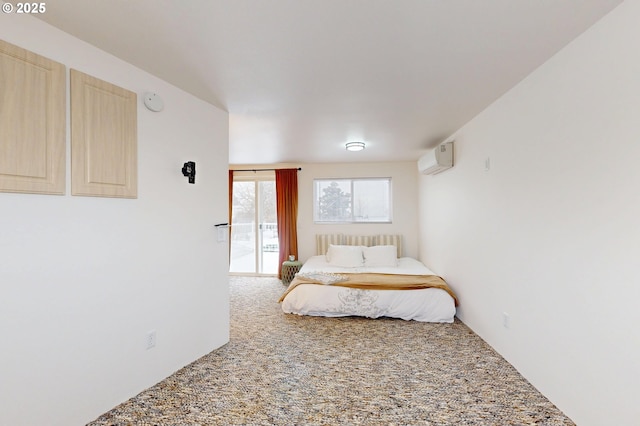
(404, 181)
(551, 233)
(82, 280)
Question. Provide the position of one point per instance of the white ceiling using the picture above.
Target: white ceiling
(302, 77)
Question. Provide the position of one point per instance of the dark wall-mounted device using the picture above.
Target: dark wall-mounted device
(189, 170)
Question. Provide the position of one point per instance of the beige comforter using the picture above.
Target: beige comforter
(371, 281)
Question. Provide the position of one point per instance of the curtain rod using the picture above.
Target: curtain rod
(260, 170)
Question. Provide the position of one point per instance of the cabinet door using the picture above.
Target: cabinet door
(32, 122)
(103, 138)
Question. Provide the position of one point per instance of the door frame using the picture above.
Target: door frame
(256, 178)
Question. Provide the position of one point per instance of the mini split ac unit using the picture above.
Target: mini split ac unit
(438, 159)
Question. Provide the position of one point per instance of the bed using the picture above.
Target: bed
(367, 276)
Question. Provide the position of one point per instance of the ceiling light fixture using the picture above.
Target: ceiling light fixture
(354, 146)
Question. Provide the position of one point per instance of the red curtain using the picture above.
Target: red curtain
(287, 211)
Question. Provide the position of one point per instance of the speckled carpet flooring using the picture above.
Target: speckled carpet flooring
(281, 369)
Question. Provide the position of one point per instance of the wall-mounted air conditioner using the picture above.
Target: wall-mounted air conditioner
(438, 159)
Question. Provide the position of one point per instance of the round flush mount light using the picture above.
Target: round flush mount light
(354, 146)
(153, 102)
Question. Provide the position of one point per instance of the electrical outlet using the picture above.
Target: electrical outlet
(151, 339)
(506, 320)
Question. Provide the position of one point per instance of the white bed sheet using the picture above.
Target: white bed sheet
(427, 305)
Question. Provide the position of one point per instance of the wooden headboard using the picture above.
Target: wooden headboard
(324, 240)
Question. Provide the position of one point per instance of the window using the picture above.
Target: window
(364, 200)
(254, 230)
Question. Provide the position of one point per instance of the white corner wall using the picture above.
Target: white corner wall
(83, 280)
(550, 234)
(404, 182)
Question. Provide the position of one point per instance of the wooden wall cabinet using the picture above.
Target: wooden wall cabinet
(32, 122)
(103, 138)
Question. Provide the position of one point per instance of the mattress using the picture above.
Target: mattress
(427, 305)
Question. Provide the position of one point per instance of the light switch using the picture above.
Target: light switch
(222, 234)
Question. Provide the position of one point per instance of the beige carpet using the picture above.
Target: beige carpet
(281, 369)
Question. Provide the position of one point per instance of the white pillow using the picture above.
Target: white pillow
(345, 256)
(380, 256)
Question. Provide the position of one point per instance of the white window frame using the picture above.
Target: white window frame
(354, 219)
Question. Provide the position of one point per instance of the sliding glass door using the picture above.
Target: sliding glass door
(254, 229)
